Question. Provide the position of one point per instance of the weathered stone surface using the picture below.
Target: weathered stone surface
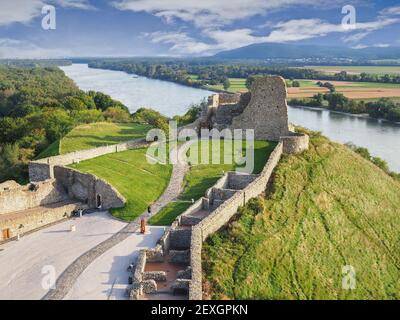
(180, 286)
(179, 257)
(267, 111)
(140, 265)
(184, 274)
(155, 255)
(149, 286)
(30, 196)
(180, 239)
(295, 143)
(21, 222)
(87, 188)
(238, 181)
(157, 276)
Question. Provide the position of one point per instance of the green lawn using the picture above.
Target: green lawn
(129, 172)
(328, 208)
(201, 177)
(100, 134)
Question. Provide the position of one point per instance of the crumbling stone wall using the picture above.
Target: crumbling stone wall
(295, 143)
(86, 188)
(267, 111)
(21, 222)
(221, 217)
(18, 198)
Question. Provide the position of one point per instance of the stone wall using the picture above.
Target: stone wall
(20, 198)
(88, 188)
(21, 222)
(229, 98)
(43, 169)
(267, 111)
(295, 143)
(221, 217)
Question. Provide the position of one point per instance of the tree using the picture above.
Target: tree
(295, 84)
(249, 82)
(57, 123)
(226, 84)
(117, 114)
(87, 116)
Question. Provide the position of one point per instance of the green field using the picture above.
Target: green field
(327, 209)
(379, 70)
(237, 85)
(100, 134)
(202, 177)
(130, 173)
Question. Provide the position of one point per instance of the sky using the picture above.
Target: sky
(186, 28)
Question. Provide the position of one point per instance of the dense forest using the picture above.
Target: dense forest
(197, 74)
(38, 106)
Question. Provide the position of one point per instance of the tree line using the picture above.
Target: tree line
(39, 106)
(198, 74)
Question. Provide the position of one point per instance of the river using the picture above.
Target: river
(380, 137)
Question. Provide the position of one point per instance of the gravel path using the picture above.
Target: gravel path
(68, 278)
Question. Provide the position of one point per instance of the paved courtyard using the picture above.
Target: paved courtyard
(106, 278)
(22, 262)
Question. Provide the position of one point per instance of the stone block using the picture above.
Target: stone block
(158, 276)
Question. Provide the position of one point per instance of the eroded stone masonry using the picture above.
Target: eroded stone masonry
(174, 266)
(56, 191)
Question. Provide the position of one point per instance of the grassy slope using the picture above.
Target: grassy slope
(100, 134)
(50, 151)
(129, 172)
(202, 177)
(329, 208)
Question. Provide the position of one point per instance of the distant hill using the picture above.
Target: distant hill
(292, 51)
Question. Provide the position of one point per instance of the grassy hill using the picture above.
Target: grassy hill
(326, 209)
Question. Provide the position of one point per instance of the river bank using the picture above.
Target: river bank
(380, 137)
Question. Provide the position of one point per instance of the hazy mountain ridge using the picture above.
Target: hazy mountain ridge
(293, 51)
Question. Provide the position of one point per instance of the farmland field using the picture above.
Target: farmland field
(308, 88)
(379, 70)
(353, 90)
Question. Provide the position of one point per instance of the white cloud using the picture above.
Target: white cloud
(355, 37)
(75, 4)
(288, 31)
(23, 11)
(381, 45)
(212, 13)
(378, 45)
(19, 11)
(392, 11)
(180, 42)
